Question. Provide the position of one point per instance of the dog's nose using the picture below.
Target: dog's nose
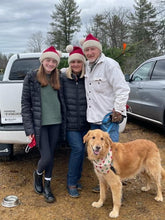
(97, 148)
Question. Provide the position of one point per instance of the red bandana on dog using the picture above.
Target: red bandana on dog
(104, 165)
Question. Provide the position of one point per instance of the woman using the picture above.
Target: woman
(73, 90)
(41, 113)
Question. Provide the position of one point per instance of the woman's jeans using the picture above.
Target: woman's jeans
(48, 142)
(113, 133)
(75, 141)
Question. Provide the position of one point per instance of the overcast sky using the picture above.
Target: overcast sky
(19, 19)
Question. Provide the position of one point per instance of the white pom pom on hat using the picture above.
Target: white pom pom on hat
(51, 52)
(75, 53)
(82, 41)
(90, 41)
(69, 48)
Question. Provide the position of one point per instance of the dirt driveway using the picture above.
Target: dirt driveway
(16, 179)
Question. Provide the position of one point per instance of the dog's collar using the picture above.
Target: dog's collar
(105, 164)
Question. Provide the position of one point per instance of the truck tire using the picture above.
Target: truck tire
(6, 151)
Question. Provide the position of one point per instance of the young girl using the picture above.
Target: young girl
(41, 113)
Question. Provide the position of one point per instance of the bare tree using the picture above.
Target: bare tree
(117, 27)
(110, 27)
(36, 42)
(3, 62)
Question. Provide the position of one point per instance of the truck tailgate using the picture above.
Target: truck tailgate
(10, 102)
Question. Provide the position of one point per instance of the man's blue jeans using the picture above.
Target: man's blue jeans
(113, 133)
(75, 141)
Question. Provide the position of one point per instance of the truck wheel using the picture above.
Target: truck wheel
(6, 152)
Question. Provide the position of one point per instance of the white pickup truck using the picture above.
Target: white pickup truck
(11, 127)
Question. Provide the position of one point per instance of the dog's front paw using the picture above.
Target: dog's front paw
(113, 214)
(159, 198)
(97, 204)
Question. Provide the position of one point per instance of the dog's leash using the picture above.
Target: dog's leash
(106, 120)
(109, 128)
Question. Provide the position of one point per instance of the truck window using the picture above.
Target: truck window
(23, 66)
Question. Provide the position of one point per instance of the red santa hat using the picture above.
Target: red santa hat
(51, 52)
(90, 41)
(75, 53)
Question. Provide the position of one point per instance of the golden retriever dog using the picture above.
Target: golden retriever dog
(114, 162)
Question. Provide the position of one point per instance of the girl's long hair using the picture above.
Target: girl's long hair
(54, 78)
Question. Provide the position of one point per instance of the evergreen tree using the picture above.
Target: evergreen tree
(98, 29)
(160, 4)
(144, 30)
(162, 36)
(66, 21)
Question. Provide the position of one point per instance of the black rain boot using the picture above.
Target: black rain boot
(49, 197)
(38, 185)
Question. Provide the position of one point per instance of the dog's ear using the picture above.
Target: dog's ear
(86, 137)
(108, 139)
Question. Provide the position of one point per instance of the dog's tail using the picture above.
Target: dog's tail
(163, 173)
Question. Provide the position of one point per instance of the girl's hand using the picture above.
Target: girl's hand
(31, 137)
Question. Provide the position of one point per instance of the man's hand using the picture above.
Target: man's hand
(117, 117)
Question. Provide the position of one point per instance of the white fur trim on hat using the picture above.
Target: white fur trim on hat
(92, 43)
(50, 55)
(51, 52)
(75, 53)
(76, 56)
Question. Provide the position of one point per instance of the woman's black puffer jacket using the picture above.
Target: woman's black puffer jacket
(31, 106)
(73, 95)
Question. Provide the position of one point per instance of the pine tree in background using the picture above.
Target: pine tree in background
(160, 4)
(66, 21)
(162, 36)
(144, 27)
(98, 28)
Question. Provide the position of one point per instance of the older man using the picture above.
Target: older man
(106, 88)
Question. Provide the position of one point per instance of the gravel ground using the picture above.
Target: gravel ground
(16, 179)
